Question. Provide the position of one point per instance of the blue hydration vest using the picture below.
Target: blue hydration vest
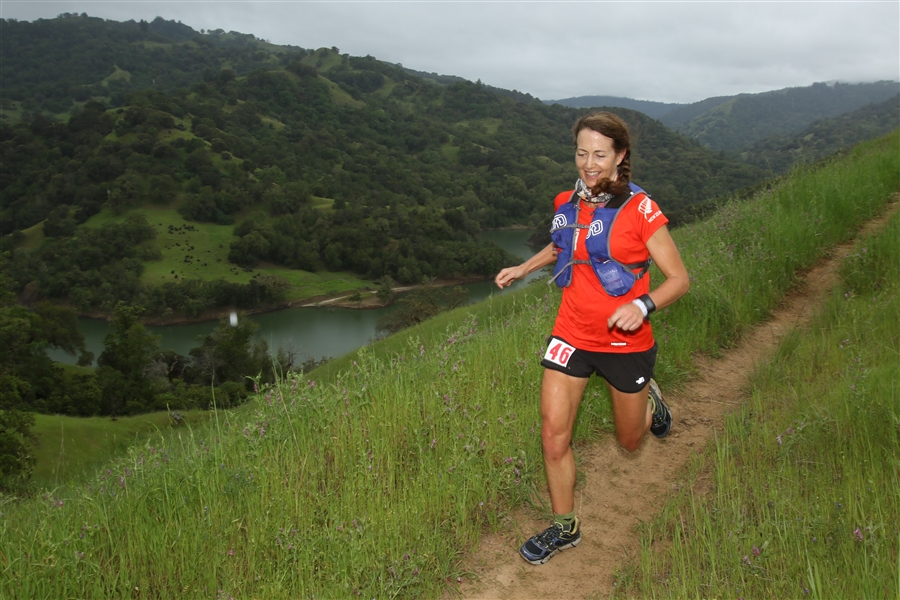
(615, 277)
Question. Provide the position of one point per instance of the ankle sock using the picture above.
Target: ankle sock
(566, 520)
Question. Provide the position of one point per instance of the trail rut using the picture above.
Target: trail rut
(622, 489)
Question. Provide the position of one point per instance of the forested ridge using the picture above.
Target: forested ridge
(777, 154)
(734, 123)
(321, 161)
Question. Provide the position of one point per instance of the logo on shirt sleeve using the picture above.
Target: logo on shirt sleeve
(646, 208)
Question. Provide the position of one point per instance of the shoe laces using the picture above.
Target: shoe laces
(549, 535)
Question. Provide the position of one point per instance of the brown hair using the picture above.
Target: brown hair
(613, 127)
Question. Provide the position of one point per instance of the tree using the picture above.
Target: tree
(16, 438)
(385, 291)
(129, 351)
(229, 354)
(31, 381)
(420, 305)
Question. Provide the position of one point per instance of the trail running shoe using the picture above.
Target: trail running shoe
(541, 548)
(662, 418)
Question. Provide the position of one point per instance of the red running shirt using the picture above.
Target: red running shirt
(585, 306)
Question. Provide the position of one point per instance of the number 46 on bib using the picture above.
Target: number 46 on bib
(559, 352)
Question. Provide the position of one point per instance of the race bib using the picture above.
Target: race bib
(559, 352)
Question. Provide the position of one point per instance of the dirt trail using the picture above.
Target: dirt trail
(624, 489)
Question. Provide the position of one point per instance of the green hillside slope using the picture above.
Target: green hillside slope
(374, 480)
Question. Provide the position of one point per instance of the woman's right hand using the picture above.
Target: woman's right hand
(540, 260)
(508, 275)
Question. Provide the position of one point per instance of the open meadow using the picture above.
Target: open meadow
(375, 475)
(191, 250)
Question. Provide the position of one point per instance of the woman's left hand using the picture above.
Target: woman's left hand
(627, 317)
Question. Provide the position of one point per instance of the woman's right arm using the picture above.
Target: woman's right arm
(538, 261)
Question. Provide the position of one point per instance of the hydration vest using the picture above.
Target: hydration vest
(615, 277)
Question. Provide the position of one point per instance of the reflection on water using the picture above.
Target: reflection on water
(313, 332)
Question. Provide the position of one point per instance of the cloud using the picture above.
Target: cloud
(664, 51)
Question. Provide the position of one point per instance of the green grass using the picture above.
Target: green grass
(33, 236)
(72, 446)
(321, 203)
(805, 498)
(488, 124)
(339, 96)
(375, 474)
(207, 243)
(450, 152)
(117, 74)
(207, 246)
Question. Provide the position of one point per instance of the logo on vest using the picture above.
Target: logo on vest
(559, 221)
(596, 228)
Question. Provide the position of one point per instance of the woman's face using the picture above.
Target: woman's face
(595, 157)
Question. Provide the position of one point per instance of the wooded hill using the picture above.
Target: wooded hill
(648, 107)
(321, 161)
(733, 123)
(736, 122)
(777, 154)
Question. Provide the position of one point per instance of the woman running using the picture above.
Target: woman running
(605, 233)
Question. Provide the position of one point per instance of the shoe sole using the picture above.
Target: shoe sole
(658, 396)
(666, 432)
(541, 561)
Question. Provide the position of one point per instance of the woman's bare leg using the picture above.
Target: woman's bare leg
(560, 397)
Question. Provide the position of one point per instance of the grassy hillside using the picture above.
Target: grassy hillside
(803, 485)
(191, 251)
(372, 478)
(72, 447)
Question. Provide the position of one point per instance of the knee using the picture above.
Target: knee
(629, 441)
(555, 444)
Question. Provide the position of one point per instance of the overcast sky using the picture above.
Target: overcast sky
(663, 51)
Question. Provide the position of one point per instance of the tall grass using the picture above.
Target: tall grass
(372, 477)
(805, 498)
(71, 446)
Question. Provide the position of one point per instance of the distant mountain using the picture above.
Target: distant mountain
(648, 107)
(684, 113)
(777, 154)
(733, 123)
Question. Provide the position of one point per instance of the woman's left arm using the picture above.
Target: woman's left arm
(629, 317)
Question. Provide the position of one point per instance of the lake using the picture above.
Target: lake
(313, 332)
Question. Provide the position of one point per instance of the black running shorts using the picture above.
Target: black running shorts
(627, 372)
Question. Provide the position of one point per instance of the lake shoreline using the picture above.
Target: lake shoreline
(370, 301)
